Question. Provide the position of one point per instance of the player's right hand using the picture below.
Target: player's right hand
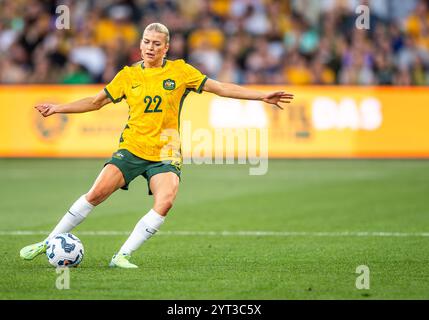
(46, 109)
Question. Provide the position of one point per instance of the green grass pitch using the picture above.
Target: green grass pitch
(305, 206)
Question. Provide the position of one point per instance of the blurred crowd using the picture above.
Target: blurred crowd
(296, 42)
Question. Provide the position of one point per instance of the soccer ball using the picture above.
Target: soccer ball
(64, 250)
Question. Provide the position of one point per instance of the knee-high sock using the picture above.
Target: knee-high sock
(144, 229)
(74, 216)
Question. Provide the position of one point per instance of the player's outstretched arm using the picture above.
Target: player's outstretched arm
(230, 90)
(80, 106)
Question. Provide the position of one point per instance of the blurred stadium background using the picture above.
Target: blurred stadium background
(359, 92)
(297, 42)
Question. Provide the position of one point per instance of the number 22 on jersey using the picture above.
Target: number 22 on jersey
(148, 100)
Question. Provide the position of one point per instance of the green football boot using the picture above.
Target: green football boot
(33, 250)
(121, 260)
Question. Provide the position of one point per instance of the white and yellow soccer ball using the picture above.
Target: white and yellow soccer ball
(64, 250)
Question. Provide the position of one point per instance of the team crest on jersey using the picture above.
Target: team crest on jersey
(169, 84)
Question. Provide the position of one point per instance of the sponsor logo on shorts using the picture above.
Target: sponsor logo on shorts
(177, 164)
(118, 155)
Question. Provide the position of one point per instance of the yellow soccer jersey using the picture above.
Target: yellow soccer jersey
(155, 97)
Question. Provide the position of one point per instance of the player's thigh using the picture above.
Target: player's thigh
(108, 181)
(164, 186)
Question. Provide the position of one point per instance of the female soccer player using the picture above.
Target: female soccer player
(154, 89)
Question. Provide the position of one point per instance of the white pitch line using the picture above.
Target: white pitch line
(235, 233)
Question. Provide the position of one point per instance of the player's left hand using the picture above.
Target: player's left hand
(276, 98)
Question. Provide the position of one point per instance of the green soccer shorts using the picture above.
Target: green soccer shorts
(132, 166)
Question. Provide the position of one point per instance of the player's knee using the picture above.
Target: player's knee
(165, 203)
(97, 196)
(93, 198)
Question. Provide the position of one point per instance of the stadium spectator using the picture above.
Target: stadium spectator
(250, 41)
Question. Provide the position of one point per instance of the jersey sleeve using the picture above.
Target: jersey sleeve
(115, 90)
(194, 79)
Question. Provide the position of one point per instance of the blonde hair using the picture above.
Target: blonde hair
(159, 27)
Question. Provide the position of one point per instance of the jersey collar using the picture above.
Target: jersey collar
(164, 62)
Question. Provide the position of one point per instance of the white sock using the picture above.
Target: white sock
(144, 229)
(76, 214)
